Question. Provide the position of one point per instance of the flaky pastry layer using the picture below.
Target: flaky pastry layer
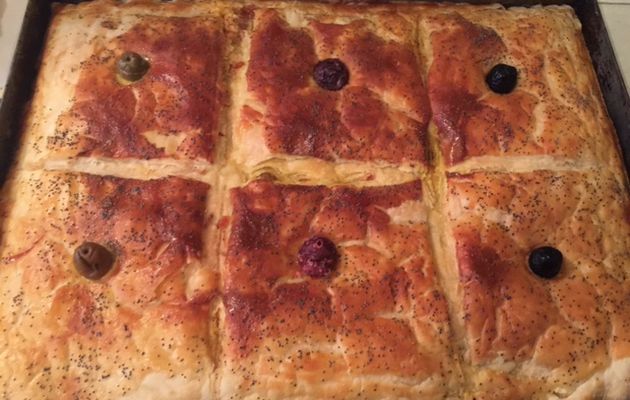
(206, 176)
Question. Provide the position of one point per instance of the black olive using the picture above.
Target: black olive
(545, 261)
(318, 257)
(132, 66)
(92, 260)
(331, 74)
(502, 78)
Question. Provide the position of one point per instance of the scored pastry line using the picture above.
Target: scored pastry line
(225, 176)
(443, 249)
(136, 169)
(441, 243)
(216, 333)
(424, 51)
(233, 76)
(311, 171)
(307, 171)
(226, 182)
(434, 195)
(522, 164)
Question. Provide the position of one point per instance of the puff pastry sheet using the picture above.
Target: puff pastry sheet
(205, 178)
(553, 111)
(378, 328)
(173, 112)
(142, 333)
(381, 115)
(525, 336)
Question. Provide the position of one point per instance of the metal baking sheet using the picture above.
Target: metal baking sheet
(25, 66)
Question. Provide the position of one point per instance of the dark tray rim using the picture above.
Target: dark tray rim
(25, 67)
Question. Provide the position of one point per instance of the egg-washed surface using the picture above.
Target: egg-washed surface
(552, 334)
(380, 115)
(66, 337)
(377, 327)
(83, 106)
(263, 129)
(553, 109)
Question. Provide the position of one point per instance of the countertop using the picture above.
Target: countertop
(616, 16)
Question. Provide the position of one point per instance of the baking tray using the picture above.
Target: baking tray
(25, 66)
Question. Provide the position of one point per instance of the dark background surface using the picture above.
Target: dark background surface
(25, 65)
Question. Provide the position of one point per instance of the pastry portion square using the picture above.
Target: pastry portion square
(375, 327)
(142, 326)
(381, 114)
(555, 109)
(526, 335)
(82, 107)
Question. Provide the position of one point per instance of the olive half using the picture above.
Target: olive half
(331, 74)
(132, 66)
(318, 257)
(502, 78)
(545, 261)
(92, 260)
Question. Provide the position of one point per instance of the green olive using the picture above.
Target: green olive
(92, 260)
(132, 66)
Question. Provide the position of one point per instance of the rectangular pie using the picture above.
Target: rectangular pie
(220, 200)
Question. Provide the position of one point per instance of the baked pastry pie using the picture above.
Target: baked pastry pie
(382, 113)
(529, 333)
(165, 114)
(273, 200)
(380, 312)
(65, 335)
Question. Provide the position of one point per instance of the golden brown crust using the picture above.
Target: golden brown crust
(381, 115)
(66, 337)
(379, 314)
(559, 331)
(432, 297)
(173, 111)
(552, 111)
